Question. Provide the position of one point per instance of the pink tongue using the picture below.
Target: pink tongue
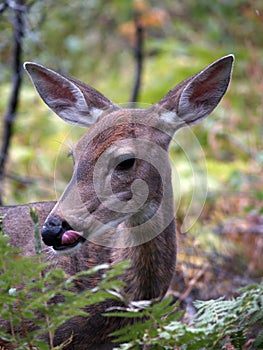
(70, 237)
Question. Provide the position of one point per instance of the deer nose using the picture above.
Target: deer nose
(52, 231)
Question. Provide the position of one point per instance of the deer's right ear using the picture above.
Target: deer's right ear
(73, 101)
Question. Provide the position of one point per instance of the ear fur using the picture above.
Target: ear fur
(196, 97)
(186, 104)
(72, 100)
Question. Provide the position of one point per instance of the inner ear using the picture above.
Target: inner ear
(207, 90)
(196, 97)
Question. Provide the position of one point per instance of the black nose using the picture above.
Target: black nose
(53, 230)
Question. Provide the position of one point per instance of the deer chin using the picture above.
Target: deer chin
(70, 242)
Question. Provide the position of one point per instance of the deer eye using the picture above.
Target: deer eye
(125, 162)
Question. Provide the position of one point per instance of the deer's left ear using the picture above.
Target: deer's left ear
(196, 97)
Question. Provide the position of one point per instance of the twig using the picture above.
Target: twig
(3, 6)
(25, 180)
(17, 80)
(193, 282)
(238, 144)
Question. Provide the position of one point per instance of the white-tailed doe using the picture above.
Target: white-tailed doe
(119, 202)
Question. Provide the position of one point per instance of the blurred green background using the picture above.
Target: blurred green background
(93, 41)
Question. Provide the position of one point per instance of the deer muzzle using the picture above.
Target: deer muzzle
(60, 235)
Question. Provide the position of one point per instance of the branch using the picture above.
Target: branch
(138, 54)
(238, 144)
(3, 7)
(10, 116)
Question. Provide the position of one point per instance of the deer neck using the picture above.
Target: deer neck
(152, 262)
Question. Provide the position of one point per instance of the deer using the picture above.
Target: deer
(119, 202)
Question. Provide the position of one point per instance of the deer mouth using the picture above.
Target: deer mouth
(69, 240)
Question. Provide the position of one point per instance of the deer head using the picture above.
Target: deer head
(120, 193)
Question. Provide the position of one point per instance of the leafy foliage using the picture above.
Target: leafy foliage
(26, 289)
(216, 324)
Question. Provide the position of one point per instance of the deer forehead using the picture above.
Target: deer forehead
(117, 133)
